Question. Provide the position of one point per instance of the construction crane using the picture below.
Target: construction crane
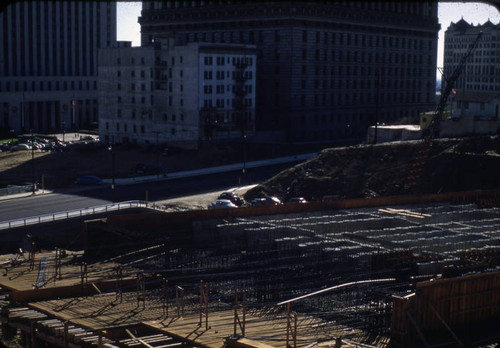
(432, 130)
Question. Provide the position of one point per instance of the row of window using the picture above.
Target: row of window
(363, 40)
(230, 117)
(173, 117)
(133, 100)
(125, 127)
(350, 71)
(360, 98)
(221, 89)
(362, 84)
(327, 38)
(235, 75)
(142, 73)
(478, 50)
(234, 103)
(25, 86)
(340, 56)
(132, 61)
(133, 86)
(419, 9)
(144, 114)
(220, 60)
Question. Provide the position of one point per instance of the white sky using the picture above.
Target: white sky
(476, 13)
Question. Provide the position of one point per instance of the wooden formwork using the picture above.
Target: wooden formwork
(176, 219)
(447, 306)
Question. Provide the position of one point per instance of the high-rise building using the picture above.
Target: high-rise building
(477, 89)
(326, 69)
(176, 93)
(48, 63)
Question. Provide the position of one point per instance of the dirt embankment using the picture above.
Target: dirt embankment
(391, 169)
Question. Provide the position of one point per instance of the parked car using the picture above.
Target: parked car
(20, 147)
(297, 200)
(88, 180)
(268, 200)
(233, 197)
(221, 203)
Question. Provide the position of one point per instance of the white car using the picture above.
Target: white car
(222, 203)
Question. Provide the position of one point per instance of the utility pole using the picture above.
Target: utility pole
(376, 106)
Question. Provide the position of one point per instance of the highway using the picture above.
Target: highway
(84, 197)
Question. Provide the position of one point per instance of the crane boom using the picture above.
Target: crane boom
(449, 83)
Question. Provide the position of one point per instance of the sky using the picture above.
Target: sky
(476, 13)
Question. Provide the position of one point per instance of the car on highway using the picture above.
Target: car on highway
(222, 203)
(268, 200)
(233, 197)
(88, 180)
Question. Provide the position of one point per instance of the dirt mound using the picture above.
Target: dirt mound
(386, 169)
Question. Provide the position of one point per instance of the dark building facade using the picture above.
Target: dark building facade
(477, 89)
(326, 70)
(48, 63)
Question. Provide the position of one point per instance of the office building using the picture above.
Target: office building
(48, 69)
(477, 89)
(176, 93)
(326, 70)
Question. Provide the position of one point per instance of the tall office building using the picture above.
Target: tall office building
(477, 90)
(325, 69)
(48, 63)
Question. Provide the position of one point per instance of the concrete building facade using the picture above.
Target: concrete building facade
(477, 90)
(175, 93)
(326, 70)
(48, 69)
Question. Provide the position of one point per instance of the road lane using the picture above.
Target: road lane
(99, 195)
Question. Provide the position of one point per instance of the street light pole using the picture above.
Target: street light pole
(110, 148)
(33, 160)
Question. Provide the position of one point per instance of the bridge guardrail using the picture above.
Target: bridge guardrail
(71, 214)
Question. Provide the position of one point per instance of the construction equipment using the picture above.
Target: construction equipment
(430, 129)
(448, 82)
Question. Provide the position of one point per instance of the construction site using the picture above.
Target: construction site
(399, 246)
(415, 270)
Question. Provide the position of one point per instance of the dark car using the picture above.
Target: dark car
(297, 200)
(88, 180)
(221, 203)
(233, 197)
(268, 200)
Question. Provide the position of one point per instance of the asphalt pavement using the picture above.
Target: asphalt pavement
(153, 188)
